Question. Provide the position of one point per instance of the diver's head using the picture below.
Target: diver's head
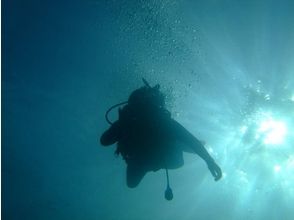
(147, 96)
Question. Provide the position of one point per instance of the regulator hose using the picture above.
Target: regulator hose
(110, 109)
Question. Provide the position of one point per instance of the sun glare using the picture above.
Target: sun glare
(272, 131)
(277, 168)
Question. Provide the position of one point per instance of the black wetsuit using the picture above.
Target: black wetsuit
(149, 140)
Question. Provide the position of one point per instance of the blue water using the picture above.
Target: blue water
(227, 68)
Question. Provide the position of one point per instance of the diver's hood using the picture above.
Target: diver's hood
(147, 96)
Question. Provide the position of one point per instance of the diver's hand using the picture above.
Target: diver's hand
(215, 170)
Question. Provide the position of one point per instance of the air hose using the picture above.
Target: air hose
(168, 192)
(110, 109)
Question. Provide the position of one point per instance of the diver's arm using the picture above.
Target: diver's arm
(190, 140)
(111, 135)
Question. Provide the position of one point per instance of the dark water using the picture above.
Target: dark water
(227, 68)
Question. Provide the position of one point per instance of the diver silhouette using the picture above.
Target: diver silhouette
(149, 139)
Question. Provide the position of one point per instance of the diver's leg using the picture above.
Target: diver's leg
(135, 173)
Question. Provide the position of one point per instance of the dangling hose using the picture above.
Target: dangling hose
(112, 107)
(168, 192)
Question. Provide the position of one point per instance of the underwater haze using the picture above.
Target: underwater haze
(226, 67)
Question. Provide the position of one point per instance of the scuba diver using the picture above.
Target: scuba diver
(149, 139)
